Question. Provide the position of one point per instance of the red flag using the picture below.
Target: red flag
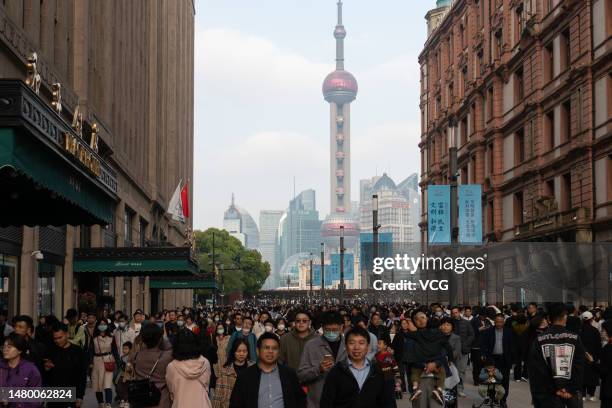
(185, 200)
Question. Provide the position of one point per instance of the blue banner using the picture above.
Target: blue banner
(332, 271)
(470, 214)
(438, 214)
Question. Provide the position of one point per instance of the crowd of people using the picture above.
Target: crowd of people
(313, 354)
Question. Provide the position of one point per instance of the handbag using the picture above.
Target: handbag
(109, 366)
(452, 380)
(144, 393)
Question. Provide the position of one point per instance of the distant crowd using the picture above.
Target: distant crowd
(314, 354)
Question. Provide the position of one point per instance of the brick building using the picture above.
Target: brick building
(128, 67)
(523, 89)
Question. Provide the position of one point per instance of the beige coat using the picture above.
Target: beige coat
(188, 382)
(100, 378)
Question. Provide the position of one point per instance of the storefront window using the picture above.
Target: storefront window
(108, 286)
(8, 271)
(49, 278)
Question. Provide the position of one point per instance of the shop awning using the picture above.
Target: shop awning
(182, 283)
(44, 180)
(171, 261)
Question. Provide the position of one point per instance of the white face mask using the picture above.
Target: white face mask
(122, 325)
(220, 331)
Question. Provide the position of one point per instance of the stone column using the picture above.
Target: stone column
(27, 279)
(66, 297)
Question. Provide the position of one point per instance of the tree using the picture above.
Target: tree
(243, 269)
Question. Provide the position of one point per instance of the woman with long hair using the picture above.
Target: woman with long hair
(16, 371)
(237, 361)
(188, 375)
(221, 340)
(103, 364)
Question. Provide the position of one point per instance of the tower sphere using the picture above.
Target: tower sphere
(340, 87)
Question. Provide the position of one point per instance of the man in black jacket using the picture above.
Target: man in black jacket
(67, 367)
(355, 382)
(556, 364)
(279, 382)
(37, 351)
(463, 329)
(496, 344)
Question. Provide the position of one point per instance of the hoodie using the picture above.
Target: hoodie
(188, 382)
(292, 346)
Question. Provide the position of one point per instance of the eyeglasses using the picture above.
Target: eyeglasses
(302, 320)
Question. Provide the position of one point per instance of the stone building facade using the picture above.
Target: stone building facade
(128, 66)
(523, 89)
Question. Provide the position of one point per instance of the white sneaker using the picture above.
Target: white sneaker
(593, 398)
(517, 380)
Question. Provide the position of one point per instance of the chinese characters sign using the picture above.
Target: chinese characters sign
(438, 214)
(470, 214)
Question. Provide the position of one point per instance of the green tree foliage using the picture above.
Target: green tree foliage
(242, 269)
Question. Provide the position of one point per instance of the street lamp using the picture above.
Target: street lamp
(452, 175)
(342, 249)
(310, 261)
(322, 270)
(375, 227)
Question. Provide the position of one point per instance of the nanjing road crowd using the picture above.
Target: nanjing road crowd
(314, 354)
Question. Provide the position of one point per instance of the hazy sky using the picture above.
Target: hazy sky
(260, 116)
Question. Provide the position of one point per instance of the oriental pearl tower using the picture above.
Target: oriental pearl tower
(340, 89)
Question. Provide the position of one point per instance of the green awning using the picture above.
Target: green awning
(43, 189)
(171, 261)
(49, 174)
(182, 284)
(136, 267)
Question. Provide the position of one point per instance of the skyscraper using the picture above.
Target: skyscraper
(239, 223)
(300, 227)
(398, 207)
(340, 89)
(268, 241)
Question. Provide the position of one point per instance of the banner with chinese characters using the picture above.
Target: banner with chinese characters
(470, 214)
(438, 214)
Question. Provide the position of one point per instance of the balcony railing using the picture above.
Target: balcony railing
(556, 220)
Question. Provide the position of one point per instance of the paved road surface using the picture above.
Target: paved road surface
(519, 397)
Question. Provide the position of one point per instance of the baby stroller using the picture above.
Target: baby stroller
(490, 400)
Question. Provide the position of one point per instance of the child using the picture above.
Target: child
(389, 367)
(490, 375)
(430, 346)
(127, 374)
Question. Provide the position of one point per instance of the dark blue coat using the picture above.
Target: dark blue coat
(487, 343)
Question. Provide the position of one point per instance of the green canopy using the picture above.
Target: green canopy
(171, 261)
(36, 178)
(186, 283)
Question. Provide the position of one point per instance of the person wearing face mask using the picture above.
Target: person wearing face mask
(268, 327)
(101, 361)
(281, 328)
(221, 341)
(319, 356)
(121, 335)
(245, 333)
